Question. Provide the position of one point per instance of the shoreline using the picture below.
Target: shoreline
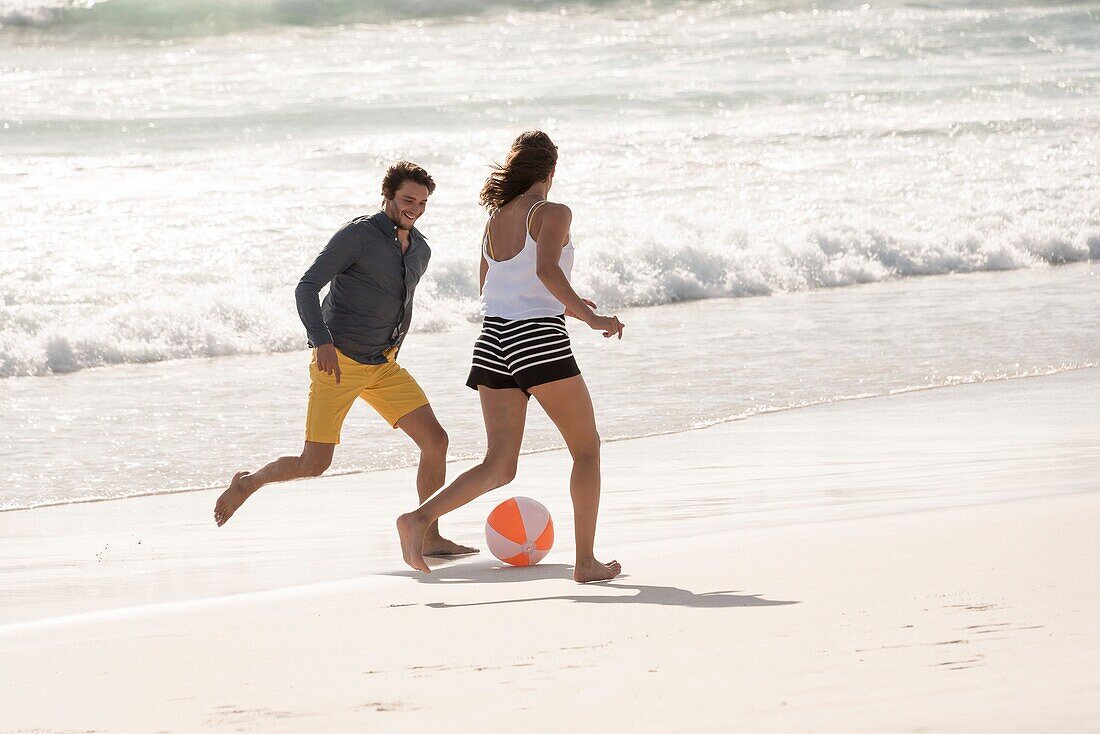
(1051, 372)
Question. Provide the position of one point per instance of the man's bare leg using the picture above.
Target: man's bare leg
(505, 413)
(313, 461)
(423, 428)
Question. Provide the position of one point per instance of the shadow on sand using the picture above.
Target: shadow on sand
(489, 572)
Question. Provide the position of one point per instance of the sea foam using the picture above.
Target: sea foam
(213, 321)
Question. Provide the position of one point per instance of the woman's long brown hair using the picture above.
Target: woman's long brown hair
(531, 159)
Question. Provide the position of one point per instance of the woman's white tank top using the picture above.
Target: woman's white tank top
(512, 287)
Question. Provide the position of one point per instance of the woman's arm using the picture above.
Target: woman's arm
(484, 267)
(553, 234)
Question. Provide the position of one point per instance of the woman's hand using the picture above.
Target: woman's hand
(609, 325)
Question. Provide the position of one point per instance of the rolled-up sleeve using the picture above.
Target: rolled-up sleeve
(345, 247)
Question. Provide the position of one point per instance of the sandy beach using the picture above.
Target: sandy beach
(851, 436)
(972, 608)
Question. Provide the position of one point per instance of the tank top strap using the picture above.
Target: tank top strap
(487, 242)
(531, 213)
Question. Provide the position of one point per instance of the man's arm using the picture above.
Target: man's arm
(342, 250)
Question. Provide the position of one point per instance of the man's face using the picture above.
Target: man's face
(407, 204)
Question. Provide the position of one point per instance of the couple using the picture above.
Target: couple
(373, 265)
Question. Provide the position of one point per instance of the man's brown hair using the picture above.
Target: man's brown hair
(401, 172)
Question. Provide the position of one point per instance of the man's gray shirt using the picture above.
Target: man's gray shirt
(368, 308)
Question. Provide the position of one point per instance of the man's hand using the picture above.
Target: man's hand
(328, 361)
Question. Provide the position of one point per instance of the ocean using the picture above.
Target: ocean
(788, 203)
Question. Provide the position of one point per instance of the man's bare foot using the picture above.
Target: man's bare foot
(439, 546)
(593, 570)
(411, 533)
(231, 499)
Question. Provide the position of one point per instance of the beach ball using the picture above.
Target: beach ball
(519, 531)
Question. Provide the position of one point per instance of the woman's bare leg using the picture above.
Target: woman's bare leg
(569, 405)
(505, 412)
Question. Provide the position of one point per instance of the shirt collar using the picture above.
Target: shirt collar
(386, 224)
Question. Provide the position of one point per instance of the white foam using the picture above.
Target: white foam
(214, 321)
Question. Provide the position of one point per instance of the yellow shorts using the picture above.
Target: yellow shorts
(388, 388)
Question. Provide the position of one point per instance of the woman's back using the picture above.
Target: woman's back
(512, 287)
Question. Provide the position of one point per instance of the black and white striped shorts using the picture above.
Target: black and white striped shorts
(522, 353)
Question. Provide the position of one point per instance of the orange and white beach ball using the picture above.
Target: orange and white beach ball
(519, 531)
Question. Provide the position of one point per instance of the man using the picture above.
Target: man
(373, 264)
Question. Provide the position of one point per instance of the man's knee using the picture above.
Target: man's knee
(436, 442)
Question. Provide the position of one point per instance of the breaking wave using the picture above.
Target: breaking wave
(211, 321)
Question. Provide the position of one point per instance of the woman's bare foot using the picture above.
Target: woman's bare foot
(588, 571)
(231, 499)
(439, 546)
(411, 532)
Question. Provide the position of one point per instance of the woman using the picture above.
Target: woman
(523, 350)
